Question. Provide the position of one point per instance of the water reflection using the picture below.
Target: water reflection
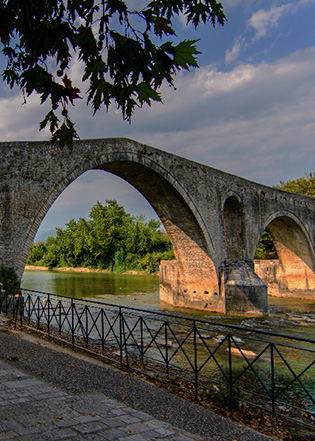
(89, 285)
(287, 316)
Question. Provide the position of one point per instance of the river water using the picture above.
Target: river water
(294, 317)
(289, 317)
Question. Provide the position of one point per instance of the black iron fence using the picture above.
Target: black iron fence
(270, 371)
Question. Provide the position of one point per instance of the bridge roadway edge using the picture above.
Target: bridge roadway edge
(101, 403)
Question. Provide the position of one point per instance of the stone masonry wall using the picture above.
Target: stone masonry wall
(295, 283)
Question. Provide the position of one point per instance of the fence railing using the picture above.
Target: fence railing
(270, 371)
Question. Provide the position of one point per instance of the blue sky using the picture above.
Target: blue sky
(249, 109)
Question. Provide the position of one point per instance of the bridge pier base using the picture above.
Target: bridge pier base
(190, 288)
(295, 281)
(243, 290)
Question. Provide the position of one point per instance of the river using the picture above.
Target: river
(286, 316)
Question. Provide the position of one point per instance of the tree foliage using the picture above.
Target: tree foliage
(110, 239)
(266, 248)
(304, 185)
(126, 53)
(9, 280)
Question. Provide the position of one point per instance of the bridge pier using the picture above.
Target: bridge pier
(243, 290)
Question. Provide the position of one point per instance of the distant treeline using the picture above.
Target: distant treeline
(110, 239)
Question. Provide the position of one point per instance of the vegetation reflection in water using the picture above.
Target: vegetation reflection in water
(286, 316)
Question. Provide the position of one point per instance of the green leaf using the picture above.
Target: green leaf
(122, 61)
(52, 119)
(65, 135)
(163, 26)
(146, 93)
(185, 53)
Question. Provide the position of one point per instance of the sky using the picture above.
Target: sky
(248, 110)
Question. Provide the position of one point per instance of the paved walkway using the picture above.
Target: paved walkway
(33, 410)
(47, 393)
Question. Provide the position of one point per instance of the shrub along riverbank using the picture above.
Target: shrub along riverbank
(110, 239)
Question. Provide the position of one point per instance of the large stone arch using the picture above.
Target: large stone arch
(294, 274)
(184, 281)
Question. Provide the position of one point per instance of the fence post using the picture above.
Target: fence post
(22, 308)
(121, 336)
(17, 304)
(59, 316)
(38, 313)
(102, 323)
(195, 359)
(72, 323)
(86, 325)
(141, 339)
(29, 309)
(48, 324)
(230, 367)
(272, 360)
(124, 339)
(166, 348)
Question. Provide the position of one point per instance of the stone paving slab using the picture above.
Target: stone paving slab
(31, 409)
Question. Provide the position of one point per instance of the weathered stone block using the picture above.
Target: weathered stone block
(245, 292)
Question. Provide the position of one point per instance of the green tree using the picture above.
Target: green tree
(110, 239)
(304, 185)
(9, 280)
(110, 227)
(266, 248)
(125, 52)
(36, 253)
(82, 244)
(52, 257)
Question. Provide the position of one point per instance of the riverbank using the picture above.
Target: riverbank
(84, 270)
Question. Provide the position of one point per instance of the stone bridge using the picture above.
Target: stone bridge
(214, 219)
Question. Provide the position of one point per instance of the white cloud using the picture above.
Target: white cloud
(232, 55)
(234, 3)
(20, 121)
(264, 20)
(256, 121)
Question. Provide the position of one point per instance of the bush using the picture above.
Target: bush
(10, 280)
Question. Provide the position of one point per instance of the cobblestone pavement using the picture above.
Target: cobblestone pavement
(32, 410)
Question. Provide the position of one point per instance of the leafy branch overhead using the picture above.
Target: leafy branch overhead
(126, 53)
